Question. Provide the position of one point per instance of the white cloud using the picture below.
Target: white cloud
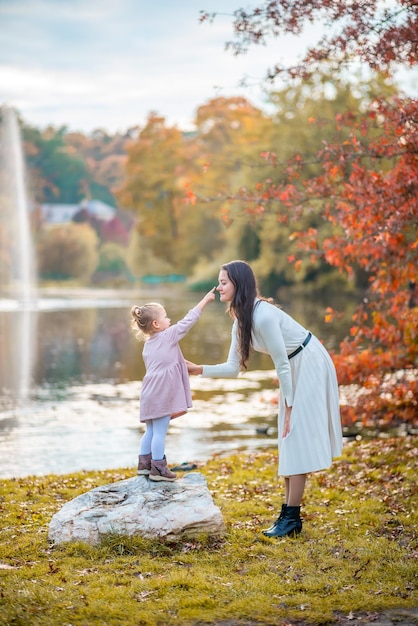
(94, 63)
(108, 63)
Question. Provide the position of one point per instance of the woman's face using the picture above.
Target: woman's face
(225, 287)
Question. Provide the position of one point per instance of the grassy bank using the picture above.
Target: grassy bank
(357, 552)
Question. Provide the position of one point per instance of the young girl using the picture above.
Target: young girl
(165, 392)
(309, 414)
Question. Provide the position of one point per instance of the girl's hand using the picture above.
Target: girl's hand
(210, 296)
(193, 369)
(286, 428)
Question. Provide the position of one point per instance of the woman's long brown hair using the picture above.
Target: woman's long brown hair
(242, 305)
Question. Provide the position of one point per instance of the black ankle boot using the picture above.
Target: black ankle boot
(289, 523)
(273, 526)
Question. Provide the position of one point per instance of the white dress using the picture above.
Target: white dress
(307, 381)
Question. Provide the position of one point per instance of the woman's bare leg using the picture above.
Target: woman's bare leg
(286, 489)
(295, 489)
(289, 521)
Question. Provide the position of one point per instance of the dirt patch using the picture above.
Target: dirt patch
(395, 617)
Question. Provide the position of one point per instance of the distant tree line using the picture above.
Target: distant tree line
(181, 188)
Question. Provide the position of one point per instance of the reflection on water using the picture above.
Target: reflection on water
(96, 427)
(18, 329)
(83, 408)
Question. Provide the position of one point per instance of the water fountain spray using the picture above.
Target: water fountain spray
(17, 264)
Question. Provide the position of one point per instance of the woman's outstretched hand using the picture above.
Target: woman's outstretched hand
(286, 427)
(193, 369)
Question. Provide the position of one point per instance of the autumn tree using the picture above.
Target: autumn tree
(230, 133)
(380, 35)
(56, 173)
(105, 158)
(367, 185)
(66, 167)
(159, 167)
(152, 170)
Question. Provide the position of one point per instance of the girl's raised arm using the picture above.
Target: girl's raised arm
(210, 297)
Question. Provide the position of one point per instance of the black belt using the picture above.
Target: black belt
(305, 343)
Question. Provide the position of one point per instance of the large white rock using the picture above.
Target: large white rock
(138, 506)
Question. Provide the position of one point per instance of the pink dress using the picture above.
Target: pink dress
(166, 386)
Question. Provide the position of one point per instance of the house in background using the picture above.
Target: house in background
(110, 223)
(60, 214)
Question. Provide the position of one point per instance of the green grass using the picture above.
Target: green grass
(357, 553)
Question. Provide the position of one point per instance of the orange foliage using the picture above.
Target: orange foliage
(369, 192)
(367, 187)
(374, 208)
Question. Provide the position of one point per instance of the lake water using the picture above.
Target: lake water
(81, 407)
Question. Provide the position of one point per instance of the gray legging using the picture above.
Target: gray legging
(153, 440)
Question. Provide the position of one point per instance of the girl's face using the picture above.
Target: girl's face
(225, 287)
(163, 321)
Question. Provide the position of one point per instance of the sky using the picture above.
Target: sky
(88, 64)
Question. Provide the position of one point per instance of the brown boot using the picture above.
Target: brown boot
(144, 464)
(160, 471)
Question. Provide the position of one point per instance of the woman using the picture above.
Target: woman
(309, 415)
